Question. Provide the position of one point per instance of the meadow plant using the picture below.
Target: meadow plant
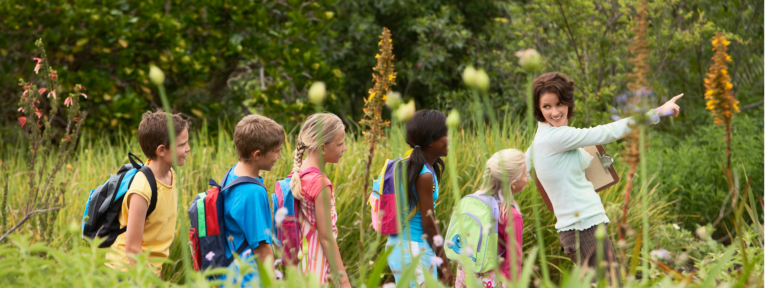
(39, 124)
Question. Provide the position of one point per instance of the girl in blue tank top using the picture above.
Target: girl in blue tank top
(427, 134)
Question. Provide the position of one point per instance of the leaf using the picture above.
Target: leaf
(81, 42)
(715, 271)
(375, 278)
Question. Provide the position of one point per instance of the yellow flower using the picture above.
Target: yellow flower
(714, 42)
(371, 97)
(728, 58)
(392, 77)
(728, 85)
(725, 72)
(726, 42)
(377, 56)
(69, 166)
(380, 41)
(736, 107)
(384, 97)
(710, 92)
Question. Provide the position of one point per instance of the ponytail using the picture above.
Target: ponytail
(426, 127)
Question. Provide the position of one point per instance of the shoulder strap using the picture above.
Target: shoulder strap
(153, 186)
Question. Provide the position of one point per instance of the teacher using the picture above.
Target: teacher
(559, 160)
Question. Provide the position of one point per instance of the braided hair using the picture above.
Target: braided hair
(310, 138)
(426, 127)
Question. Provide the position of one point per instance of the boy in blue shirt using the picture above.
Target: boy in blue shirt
(258, 140)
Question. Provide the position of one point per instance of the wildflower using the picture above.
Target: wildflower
(278, 274)
(53, 75)
(703, 233)
(21, 109)
(247, 253)
(449, 242)
(438, 240)
(22, 121)
(37, 66)
(481, 80)
(68, 101)
(52, 93)
(600, 233)
(69, 166)
(156, 75)
(405, 112)
(41, 91)
(210, 256)
(38, 113)
(469, 76)
(453, 119)
(83, 94)
(394, 99)
(615, 118)
(278, 261)
(437, 261)
(370, 97)
(675, 226)
(530, 60)
(317, 93)
(280, 216)
(392, 77)
(660, 254)
(377, 55)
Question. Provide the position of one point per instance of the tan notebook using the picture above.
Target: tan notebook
(601, 172)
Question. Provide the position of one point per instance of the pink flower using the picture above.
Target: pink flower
(21, 109)
(278, 274)
(437, 261)
(52, 93)
(280, 216)
(41, 91)
(38, 113)
(209, 256)
(37, 66)
(53, 75)
(22, 121)
(68, 101)
(438, 240)
(86, 96)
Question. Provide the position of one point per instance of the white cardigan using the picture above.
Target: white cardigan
(559, 160)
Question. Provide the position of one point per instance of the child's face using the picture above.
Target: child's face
(265, 161)
(333, 151)
(440, 146)
(181, 151)
(519, 184)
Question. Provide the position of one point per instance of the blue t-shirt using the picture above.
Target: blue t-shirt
(247, 215)
(415, 223)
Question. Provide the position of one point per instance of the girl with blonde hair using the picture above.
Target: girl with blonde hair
(322, 140)
(506, 167)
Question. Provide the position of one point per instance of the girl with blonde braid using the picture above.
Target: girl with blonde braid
(321, 135)
(504, 167)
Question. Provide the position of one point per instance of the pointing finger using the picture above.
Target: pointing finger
(677, 97)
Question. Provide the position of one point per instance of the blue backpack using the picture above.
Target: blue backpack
(288, 232)
(102, 210)
(207, 226)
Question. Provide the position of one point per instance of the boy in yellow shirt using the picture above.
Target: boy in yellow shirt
(153, 233)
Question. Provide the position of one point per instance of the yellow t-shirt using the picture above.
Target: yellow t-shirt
(159, 228)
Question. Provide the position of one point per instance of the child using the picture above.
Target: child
(427, 134)
(248, 219)
(322, 135)
(154, 233)
(509, 163)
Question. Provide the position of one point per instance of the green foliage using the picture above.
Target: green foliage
(211, 52)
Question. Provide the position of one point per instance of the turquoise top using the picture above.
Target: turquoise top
(560, 163)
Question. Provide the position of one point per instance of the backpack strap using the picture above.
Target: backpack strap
(152, 185)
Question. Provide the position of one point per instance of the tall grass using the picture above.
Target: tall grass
(212, 157)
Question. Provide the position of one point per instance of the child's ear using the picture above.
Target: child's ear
(256, 154)
(160, 150)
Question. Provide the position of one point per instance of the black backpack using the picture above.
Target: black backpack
(102, 211)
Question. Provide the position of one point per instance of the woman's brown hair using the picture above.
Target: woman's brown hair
(553, 82)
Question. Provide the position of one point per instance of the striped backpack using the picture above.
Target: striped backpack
(383, 199)
(288, 232)
(207, 226)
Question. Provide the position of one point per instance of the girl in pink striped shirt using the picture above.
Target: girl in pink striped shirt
(322, 135)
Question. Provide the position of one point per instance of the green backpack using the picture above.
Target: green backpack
(474, 232)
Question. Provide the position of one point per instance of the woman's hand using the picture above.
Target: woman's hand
(670, 108)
